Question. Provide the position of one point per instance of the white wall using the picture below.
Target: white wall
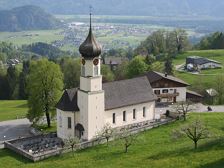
(89, 68)
(209, 65)
(149, 114)
(181, 90)
(91, 83)
(62, 129)
(91, 105)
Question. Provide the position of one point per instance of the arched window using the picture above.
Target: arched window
(96, 71)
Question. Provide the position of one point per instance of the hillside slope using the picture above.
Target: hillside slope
(26, 18)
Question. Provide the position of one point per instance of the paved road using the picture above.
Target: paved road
(199, 108)
(14, 129)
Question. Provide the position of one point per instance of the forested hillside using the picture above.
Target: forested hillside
(26, 18)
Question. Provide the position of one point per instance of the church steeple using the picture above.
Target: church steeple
(90, 48)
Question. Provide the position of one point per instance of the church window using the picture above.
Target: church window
(157, 92)
(165, 91)
(143, 111)
(60, 121)
(134, 114)
(114, 118)
(124, 115)
(69, 122)
(95, 70)
(83, 70)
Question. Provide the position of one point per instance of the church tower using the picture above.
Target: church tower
(90, 93)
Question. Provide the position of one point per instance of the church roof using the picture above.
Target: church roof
(117, 94)
(68, 101)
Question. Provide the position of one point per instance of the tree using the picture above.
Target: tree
(168, 65)
(45, 87)
(71, 70)
(127, 138)
(136, 67)
(23, 80)
(107, 73)
(183, 108)
(12, 80)
(121, 71)
(106, 132)
(195, 131)
(71, 142)
(219, 87)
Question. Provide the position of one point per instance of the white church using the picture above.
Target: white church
(84, 111)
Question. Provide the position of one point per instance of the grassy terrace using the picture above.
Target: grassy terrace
(154, 149)
(207, 77)
(11, 109)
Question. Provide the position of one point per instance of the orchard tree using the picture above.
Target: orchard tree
(44, 87)
(71, 142)
(106, 132)
(126, 138)
(195, 131)
(183, 108)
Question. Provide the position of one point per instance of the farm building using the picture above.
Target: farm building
(196, 63)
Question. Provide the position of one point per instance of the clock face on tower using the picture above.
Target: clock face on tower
(83, 62)
(96, 61)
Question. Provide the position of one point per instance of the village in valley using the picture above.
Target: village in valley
(110, 91)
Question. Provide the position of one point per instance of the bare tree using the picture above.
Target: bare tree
(127, 138)
(194, 131)
(71, 142)
(183, 108)
(107, 132)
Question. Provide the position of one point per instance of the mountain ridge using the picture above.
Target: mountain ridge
(126, 7)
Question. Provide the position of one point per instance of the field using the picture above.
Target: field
(154, 149)
(207, 77)
(28, 37)
(12, 109)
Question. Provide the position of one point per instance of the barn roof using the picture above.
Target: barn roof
(154, 76)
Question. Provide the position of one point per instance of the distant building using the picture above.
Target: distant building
(113, 62)
(194, 97)
(12, 62)
(168, 89)
(196, 63)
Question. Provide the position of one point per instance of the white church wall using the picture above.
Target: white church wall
(94, 84)
(149, 114)
(91, 107)
(89, 68)
(62, 124)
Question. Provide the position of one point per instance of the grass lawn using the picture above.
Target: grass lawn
(11, 109)
(154, 149)
(208, 77)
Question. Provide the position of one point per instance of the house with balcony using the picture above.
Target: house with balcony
(168, 89)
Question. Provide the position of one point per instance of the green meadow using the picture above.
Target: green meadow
(154, 149)
(13, 109)
(206, 77)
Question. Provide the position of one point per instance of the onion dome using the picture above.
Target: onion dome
(90, 49)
